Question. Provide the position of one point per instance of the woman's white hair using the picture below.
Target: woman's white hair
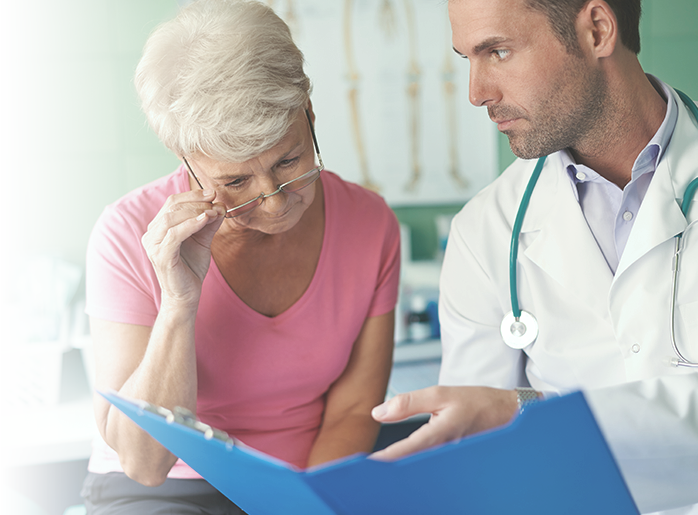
(224, 78)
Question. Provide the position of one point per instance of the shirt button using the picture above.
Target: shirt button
(635, 348)
(581, 176)
(627, 216)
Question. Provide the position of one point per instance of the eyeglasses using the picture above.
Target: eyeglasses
(291, 186)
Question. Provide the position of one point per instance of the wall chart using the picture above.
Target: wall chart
(391, 98)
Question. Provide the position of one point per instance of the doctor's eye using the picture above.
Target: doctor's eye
(501, 54)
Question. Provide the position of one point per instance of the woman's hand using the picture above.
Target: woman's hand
(158, 364)
(178, 244)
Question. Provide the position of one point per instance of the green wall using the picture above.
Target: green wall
(74, 139)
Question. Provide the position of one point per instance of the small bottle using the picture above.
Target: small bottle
(418, 323)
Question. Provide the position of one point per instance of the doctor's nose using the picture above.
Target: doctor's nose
(482, 90)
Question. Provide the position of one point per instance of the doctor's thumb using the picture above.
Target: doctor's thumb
(394, 410)
(380, 412)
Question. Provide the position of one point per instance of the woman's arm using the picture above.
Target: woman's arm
(158, 364)
(347, 426)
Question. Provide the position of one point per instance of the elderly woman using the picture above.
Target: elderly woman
(250, 286)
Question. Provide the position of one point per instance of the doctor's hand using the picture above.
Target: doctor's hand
(178, 244)
(456, 411)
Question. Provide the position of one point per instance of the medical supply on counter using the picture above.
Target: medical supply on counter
(418, 322)
(419, 294)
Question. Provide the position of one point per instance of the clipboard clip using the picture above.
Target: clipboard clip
(184, 417)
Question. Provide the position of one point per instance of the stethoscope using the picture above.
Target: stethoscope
(520, 328)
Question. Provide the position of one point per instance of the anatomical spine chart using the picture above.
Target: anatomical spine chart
(353, 97)
(391, 98)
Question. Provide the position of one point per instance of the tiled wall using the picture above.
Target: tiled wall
(72, 137)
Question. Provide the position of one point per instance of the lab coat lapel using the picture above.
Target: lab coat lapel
(660, 218)
(560, 242)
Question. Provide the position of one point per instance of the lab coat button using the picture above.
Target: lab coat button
(635, 348)
(627, 216)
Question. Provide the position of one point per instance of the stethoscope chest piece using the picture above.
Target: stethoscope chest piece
(520, 333)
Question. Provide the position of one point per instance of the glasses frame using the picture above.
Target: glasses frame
(283, 187)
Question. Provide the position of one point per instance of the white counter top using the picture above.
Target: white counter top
(36, 434)
(60, 433)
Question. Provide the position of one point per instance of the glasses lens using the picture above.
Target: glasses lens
(244, 208)
(302, 181)
(290, 187)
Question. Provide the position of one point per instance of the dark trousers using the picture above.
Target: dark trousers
(116, 494)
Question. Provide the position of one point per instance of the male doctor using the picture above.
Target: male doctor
(561, 79)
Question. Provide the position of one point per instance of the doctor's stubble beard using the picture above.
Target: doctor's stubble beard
(563, 119)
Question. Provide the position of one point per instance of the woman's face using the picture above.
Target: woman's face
(237, 183)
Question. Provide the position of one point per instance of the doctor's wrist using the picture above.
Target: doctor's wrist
(525, 397)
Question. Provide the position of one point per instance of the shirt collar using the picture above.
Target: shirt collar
(648, 159)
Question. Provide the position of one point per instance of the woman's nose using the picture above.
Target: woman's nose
(275, 202)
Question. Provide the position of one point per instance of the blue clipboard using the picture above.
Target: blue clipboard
(552, 459)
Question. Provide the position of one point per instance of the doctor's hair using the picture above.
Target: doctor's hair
(562, 15)
(223, 78)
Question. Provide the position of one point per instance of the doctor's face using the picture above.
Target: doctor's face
(542, 97)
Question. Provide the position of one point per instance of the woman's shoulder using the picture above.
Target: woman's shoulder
(352, 199)
(139, 206)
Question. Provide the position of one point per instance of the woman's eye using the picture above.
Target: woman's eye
(236, 183)
(288, 162)
(501, 54)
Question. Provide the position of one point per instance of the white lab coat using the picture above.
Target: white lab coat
(597, 330)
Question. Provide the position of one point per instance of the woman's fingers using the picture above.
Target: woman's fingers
(178, 241)
(178, 233)
(182, 206)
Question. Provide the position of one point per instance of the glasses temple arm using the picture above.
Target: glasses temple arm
(312, 133)
(192, 172)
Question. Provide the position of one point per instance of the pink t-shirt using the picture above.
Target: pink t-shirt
(262, 380)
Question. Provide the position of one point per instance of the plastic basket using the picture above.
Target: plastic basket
(31, 373)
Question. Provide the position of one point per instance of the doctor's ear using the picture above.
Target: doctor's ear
(597, 29)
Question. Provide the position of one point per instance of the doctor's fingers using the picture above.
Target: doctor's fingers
(432, 433)
(405, 405)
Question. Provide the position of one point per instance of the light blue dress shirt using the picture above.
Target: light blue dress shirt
(610, 211)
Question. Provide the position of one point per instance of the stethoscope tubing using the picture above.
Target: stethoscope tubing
(518, 339)
(516, 232)
(680, 360)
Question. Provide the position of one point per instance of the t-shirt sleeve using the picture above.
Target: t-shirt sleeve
(386, 293)
(121, 285)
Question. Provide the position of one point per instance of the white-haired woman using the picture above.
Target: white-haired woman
(249, 286)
